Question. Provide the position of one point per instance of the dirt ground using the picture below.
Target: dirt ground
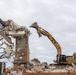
(51, 73)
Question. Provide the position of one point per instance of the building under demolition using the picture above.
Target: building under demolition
(22, 66)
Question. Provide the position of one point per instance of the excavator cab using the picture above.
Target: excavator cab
(61, 58)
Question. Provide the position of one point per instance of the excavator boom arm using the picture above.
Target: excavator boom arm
(41, 32)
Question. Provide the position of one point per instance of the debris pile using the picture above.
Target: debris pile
(42, 68)
(50, 68)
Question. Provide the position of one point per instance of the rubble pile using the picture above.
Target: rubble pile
(50, 68)
(39, 68)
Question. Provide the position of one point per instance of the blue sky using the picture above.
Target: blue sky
(56, 16)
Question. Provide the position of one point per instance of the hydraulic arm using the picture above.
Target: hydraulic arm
(61, 59)
(41, 32)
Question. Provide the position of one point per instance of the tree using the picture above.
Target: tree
(45, 63)
(74, 54)
(35, 60)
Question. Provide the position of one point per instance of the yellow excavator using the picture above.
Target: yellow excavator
(61, 58)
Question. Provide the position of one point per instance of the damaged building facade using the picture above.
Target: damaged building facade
(21, 35)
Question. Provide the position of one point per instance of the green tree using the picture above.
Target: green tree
(74, 54)
(35, 60)
(45, 63)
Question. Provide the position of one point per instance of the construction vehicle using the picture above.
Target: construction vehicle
(61, 58)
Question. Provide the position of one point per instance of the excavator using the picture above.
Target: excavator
(60, 58)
